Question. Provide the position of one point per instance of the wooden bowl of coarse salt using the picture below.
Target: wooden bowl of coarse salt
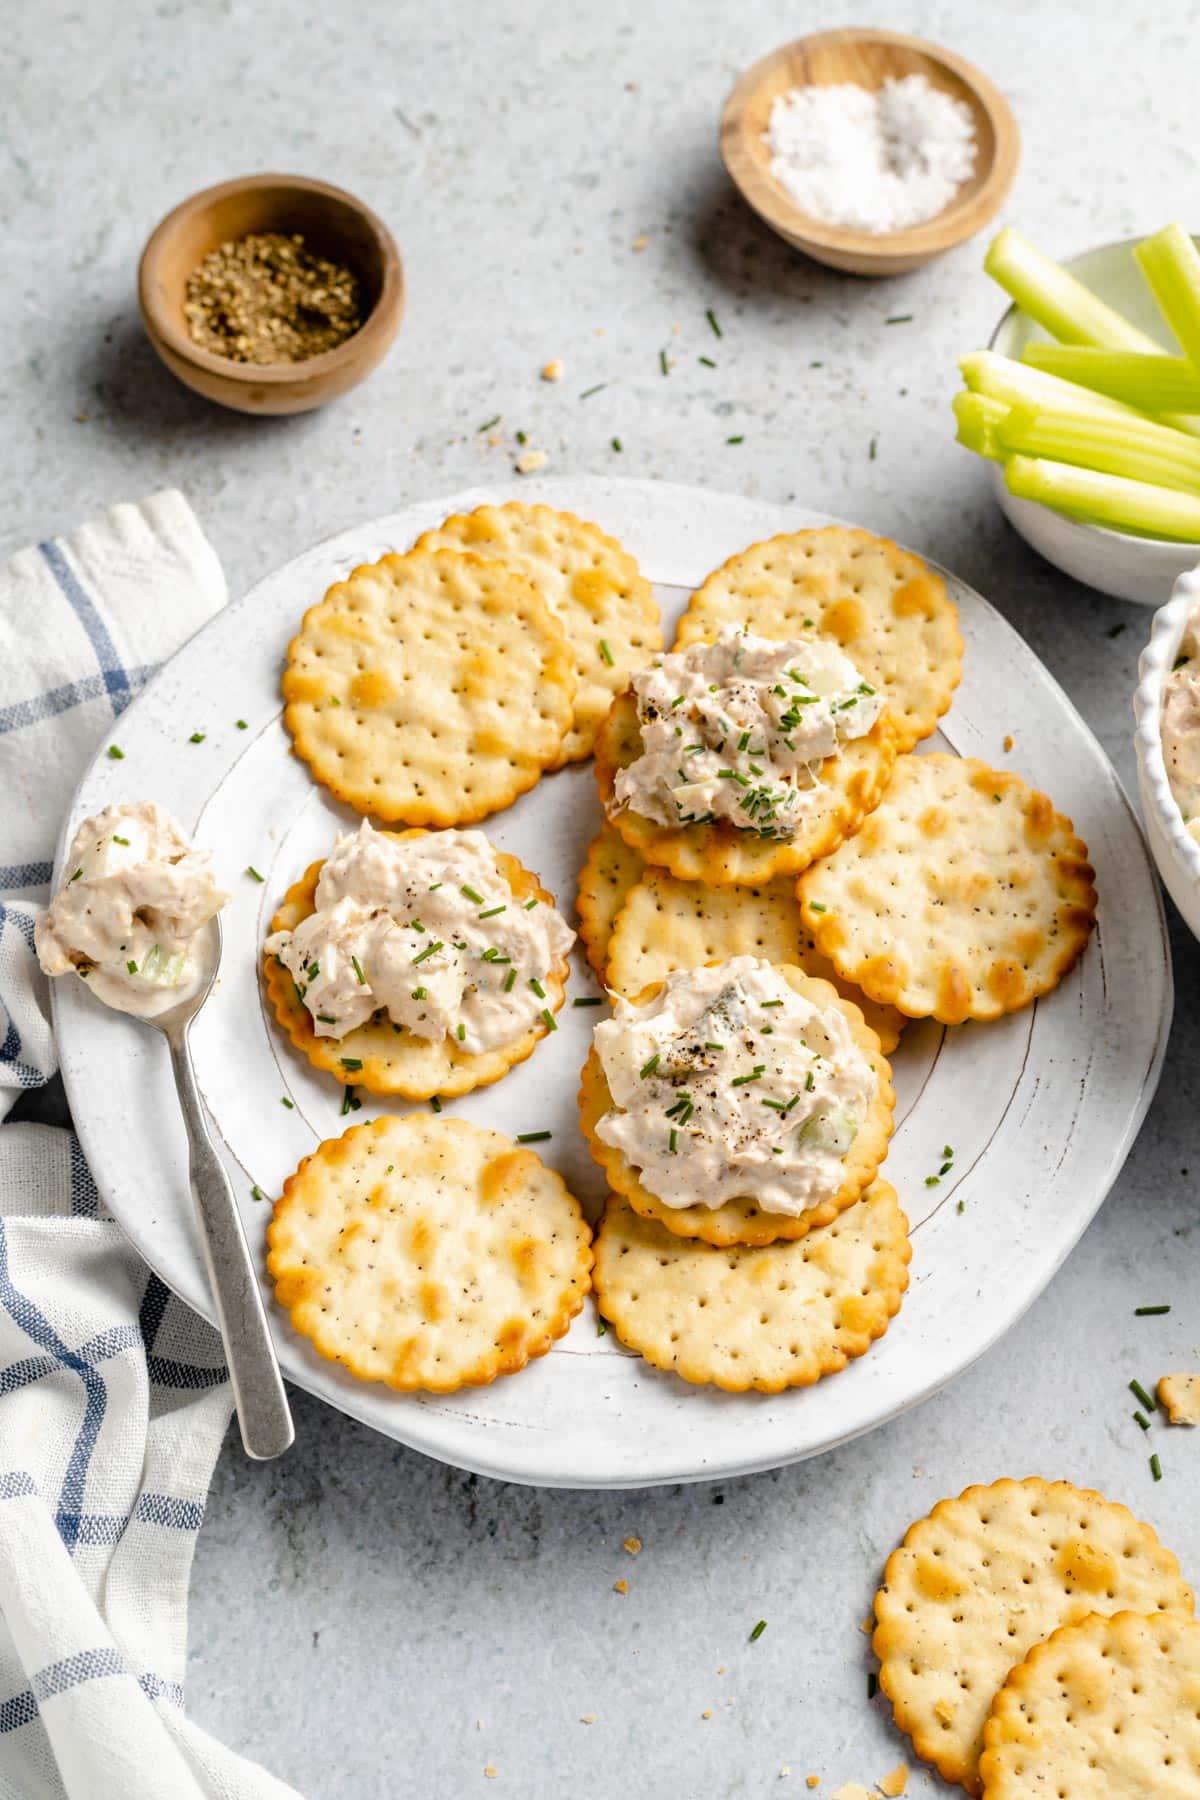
(869, 150)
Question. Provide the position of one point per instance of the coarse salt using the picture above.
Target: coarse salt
(873, 162)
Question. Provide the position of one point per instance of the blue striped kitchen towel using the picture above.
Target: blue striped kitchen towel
(113, 1397)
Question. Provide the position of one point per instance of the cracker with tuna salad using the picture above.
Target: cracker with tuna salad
(737, 1104)
(882, 605)
(965, 895)
(590, 582)
(780, 1316)
(984, 1578)
(665, 924)
(428, 1253)
(429, 689)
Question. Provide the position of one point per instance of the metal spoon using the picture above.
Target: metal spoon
(258, 1392)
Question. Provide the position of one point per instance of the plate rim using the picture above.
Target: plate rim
(318, 1380)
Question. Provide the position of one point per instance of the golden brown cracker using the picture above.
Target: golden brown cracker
(882, 605)
(779, 1316)
(392, 1061)
(851, 783)
(428, 1253)
(985, 1577)
(964, 895)
(430, 689)
(609, 871)
(743, 1221)
(591, 582)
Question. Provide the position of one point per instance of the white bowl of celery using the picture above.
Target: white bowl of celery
(1087, 402)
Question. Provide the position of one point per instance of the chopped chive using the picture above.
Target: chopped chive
(327, 1018)
(521, 437)
(961, 1207)
(1139, 1393)
(711, 316)
(758, 1631)
(617, 446)
(351, 1062)
(537, 987)
(663, 364)
(945, 1168)
(197, 737)
(814, 906)
(434, 886)
(488, 423)
(357, 967)
(75, 876)
(461, 1033)
(120, 840)
(809, 1082)
(256, 1192)
(492, 911)
(116, 752)
(241, 725)
(606, 653)
(707, 361)
(899, 319)
(739, 438)
(1156, 1468)
(770, 1002)
(872, 1685)
(745, 1080)
(932, 1180)
(429, 950)
(550, 1022)
(743, 740)
(947, 1149)
(873, 449)
(284, 1101)
(712, 1046)
(416, 925)
(588, 1000)
(1142, 1420)
(471, 894)
(250, 870)
(673, 1140)
(816, 365)
(508, 985)
(533, 1137)
(530, 904)
(1115, 631)
(1149, 1312)
(601, 1328)
(588, 392)
(131, 967)
(419, 993)
(648, 1068)
(775, 1105)
(435, 1103)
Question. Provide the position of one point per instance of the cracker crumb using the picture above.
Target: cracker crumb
(633, 1545)
(853, 1790)
(491, 1771)
(1179, 1397)
(943, 1712)
(640, 241)
(553, 370)
(587, 1718)
(81, 418)
(707, 1713)
(893, 1785)
(721, 1670)
(868, 1625)
(1008, 740)
(812, 1781)
(784, 1772)
(531, 461)
(621, 1587)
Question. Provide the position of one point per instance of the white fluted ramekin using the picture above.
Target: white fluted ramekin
(1175, 850)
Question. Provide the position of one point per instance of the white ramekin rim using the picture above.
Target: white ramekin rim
(1154, 665)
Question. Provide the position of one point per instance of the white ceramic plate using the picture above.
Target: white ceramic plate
(1041, 1109)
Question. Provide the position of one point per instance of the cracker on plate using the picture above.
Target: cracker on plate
(1110, 1706)
(383, 1059)
(429, 689)
(884, 607)
(666, 924)
(743, 1221)
(606, 605)
(1179, 1397)
(775, 1317)
(851, 783)
(609, 871)
(964, 895)
(428, 1253)
(985, 1577)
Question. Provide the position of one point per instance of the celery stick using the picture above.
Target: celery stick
(1058, 302)
(1171, 264)
(978, 418)
(1018, 384)
(1155, 384)
(1134, 506)
(1139, 451)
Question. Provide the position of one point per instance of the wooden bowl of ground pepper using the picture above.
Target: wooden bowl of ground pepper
(271, 293)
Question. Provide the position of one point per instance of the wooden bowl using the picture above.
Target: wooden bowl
(868, 58)
(334, 224)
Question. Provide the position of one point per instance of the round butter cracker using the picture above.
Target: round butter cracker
(1109, 1707)
(964, 895)
(742, 1221)
(428, 1253)
(770, 1318)
(609, 871)
(851, 783)
(665, 924)
(385, 1059)
(985, 1577)
(429, 689)
(883, 606)
(590, 581)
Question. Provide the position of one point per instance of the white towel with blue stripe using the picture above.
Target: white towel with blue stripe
(113, 1397)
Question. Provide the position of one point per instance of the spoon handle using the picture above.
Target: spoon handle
(258, 1392)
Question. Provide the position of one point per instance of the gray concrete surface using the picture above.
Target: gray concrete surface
(366, 1623)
